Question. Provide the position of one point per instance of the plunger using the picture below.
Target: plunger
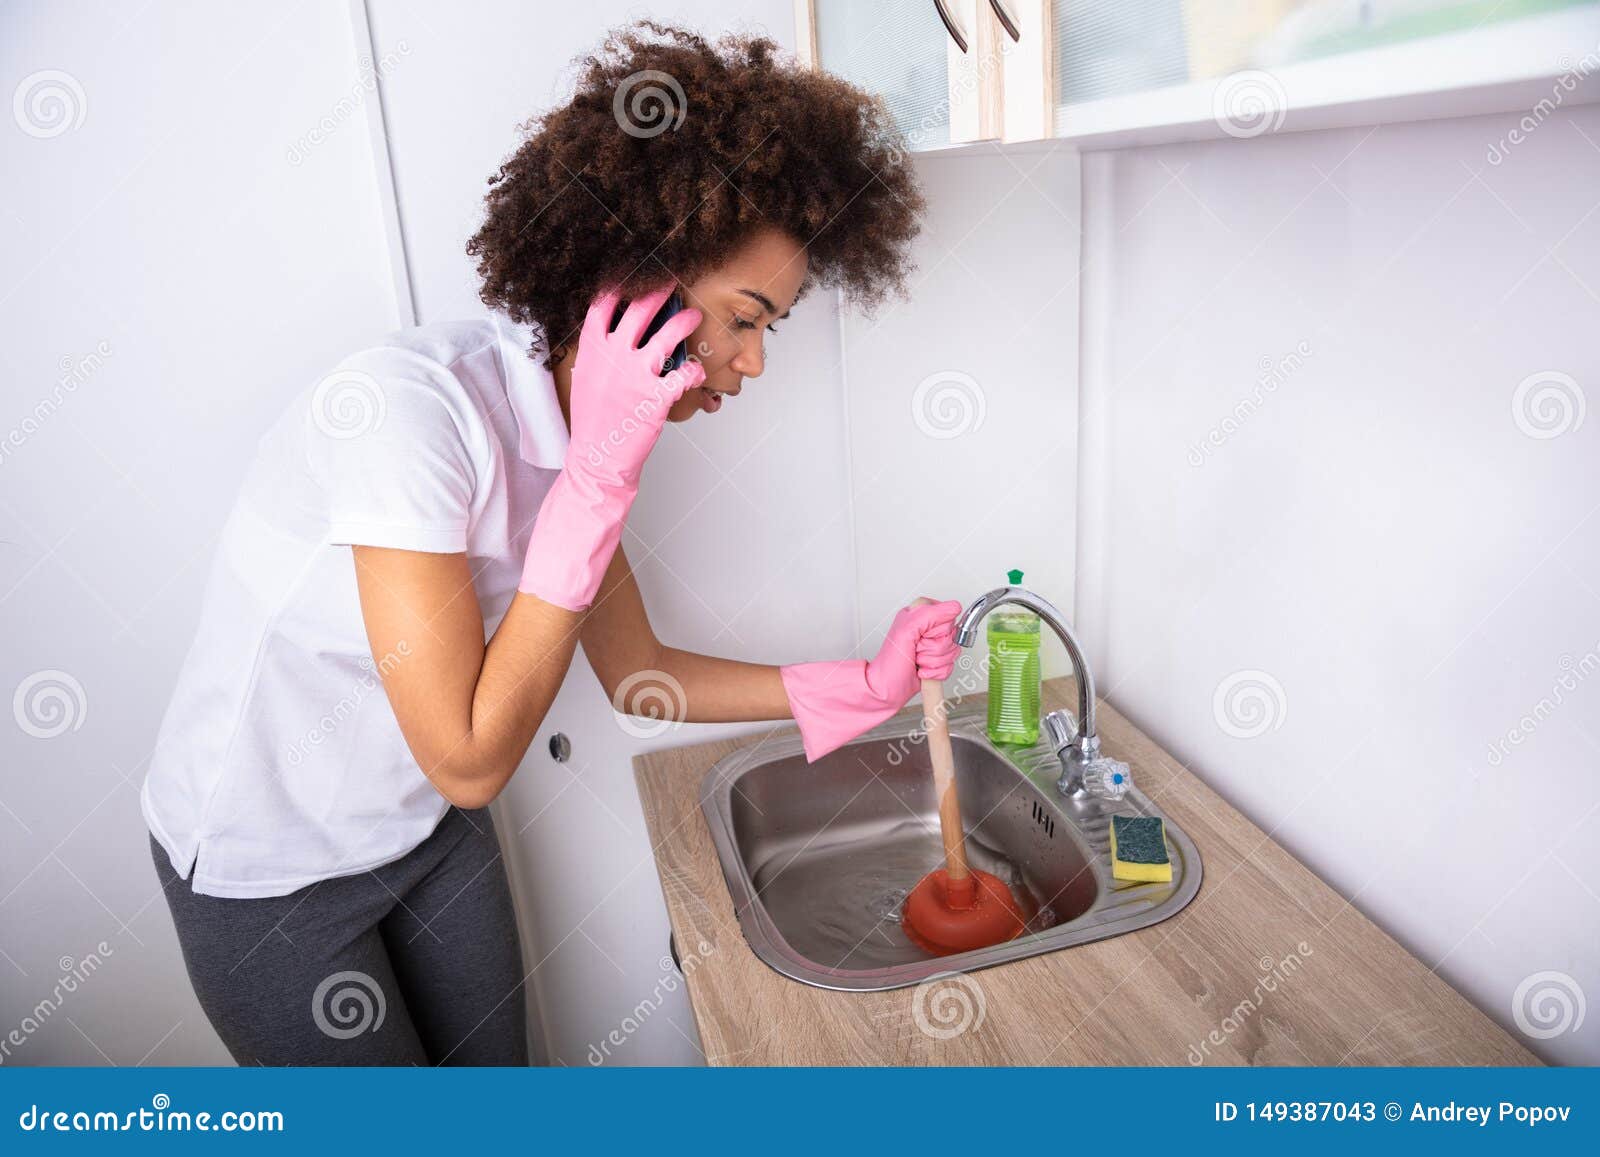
(956, 908)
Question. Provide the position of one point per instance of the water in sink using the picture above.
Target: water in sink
(838, 900)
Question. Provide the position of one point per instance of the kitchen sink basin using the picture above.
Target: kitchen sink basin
(819, 857)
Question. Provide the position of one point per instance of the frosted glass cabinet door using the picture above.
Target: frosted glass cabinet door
(951, 71)
(1141, 71)
(896, 48)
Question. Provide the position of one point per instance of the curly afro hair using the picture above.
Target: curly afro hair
(674, 151)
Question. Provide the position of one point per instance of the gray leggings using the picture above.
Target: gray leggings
(412, 963)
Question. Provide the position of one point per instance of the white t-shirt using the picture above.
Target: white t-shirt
(279, 761)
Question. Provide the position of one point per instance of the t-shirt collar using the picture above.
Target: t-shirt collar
(531, 390)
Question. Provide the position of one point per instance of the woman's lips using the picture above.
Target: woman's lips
(710, 400)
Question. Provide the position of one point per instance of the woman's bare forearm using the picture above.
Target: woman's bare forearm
(644, 676)
(522, 668)
(468, 710)
(717, 690)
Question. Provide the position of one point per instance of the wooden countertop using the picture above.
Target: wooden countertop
(1266, 966)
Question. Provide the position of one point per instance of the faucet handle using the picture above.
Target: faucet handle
(1106, 777)
(1062, 729)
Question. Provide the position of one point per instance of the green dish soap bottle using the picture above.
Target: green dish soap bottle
(1013, 672)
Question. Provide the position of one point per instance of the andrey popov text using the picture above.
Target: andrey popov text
(1452, 1113)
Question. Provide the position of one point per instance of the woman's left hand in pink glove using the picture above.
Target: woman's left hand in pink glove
(833, 702)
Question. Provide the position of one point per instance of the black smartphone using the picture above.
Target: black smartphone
(673, 304)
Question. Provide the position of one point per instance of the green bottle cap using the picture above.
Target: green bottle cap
(1015, 576)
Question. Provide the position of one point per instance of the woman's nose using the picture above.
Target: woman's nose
(751, 358)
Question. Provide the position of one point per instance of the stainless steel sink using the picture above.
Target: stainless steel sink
(819, 857)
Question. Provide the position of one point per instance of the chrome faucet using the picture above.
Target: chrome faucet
(1084, 771)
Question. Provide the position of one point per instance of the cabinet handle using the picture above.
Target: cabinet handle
(1008, 19)
(1002, 11)
(952, 25)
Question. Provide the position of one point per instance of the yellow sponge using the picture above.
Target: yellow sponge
(1139, 848)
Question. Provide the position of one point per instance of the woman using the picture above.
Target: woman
(318, 800)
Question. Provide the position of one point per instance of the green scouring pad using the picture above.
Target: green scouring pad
(1139, 848)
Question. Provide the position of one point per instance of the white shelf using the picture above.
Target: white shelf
(1505, 67)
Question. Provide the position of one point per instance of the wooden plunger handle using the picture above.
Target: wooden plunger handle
(944, 787)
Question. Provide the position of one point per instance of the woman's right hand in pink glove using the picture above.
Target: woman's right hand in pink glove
(619, 405)
(833, 702)
(920, 645)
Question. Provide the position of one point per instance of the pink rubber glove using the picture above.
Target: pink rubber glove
(833, 702)
(619, 404)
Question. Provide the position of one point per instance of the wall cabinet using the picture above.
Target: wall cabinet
(952, 71)
(1111, 73)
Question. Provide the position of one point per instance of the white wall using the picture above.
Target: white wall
(963, 400)
(1400, 568)
(169, 279)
